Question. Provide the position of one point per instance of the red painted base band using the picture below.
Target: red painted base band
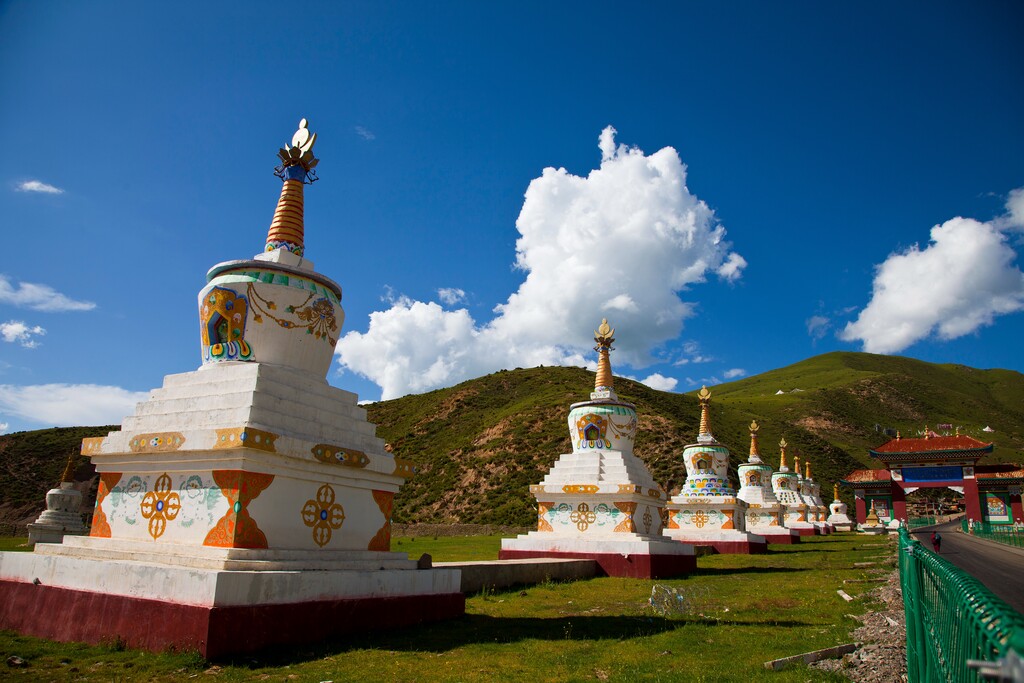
(69, 615)
(806, 532)
(781, 539)
(735, 547)
(614, 564)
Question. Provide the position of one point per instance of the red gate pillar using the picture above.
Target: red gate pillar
(862, 508)
(972, 501)
(899, 503)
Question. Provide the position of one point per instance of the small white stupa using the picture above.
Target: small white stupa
(765, 515)
(838, 517)
(61, 516)
(600, 502)
(816, 510)
(786, 486)
(247, 503)
(707, 511)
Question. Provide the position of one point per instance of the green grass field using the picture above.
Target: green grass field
(743, 610)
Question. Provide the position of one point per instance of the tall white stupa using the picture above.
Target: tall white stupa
(707, 511)
(765, 515)
(600, 502)
(838, 518)
(244, 504)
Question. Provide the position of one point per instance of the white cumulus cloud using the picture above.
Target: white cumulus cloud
(622, 242)
(39, 297)
(451, 295)
(960, 282)
(660, 382)
(733, 373)
(16, 331)
(3, 427)
(38, 186)
(69, 405)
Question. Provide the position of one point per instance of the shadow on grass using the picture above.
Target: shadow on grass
(726, 571)
(474, 629)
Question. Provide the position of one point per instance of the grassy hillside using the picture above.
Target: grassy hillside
(479, 445)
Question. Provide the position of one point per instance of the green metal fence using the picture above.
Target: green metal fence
(1007, 534)
(951, 618)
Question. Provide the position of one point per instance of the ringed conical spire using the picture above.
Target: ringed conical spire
(782, 456)
(704, 434)
(297, 163)
(604, 336)
(796, 465)
(755, 453)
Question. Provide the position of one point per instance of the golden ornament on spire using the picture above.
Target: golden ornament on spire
(782, 455)
(704, 396)
(835, 491)
(604, 335)
(796, 463)
(754, 452)
(296, 169)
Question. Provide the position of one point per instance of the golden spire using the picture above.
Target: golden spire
(604, 336)
(782, 456)
(898, 435)
(796, 463)
(957, 433)
(755, 454)
(69, 469)
(927, 432)
(807, 469)
(287, 227)
(704, 396)
(835, 491)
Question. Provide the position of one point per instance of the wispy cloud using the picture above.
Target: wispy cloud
(17, 332)
(365, 133)
(39, 297)
(38, 186)
(818, 326)
(733, 373)
(3, 427)
(69, 405)
(451, 295)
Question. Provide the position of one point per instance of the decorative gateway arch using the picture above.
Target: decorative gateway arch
(992, 493)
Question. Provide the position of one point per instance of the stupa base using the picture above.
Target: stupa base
(638, 559)
(804, 530)
(216, 612)
(727, 542)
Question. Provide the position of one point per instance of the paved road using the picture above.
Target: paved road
(999, 568)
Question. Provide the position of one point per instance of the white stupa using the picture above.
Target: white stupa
(62, 515)
(244, 504)
(600, 502)
(707, 511)
(765, 515)
(810, 490)
(786, 486)
(838, 517)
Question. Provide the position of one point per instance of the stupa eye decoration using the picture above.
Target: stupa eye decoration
(222, 315)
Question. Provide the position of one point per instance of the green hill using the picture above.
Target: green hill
(479, 445)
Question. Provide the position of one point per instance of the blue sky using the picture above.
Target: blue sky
(783, 180)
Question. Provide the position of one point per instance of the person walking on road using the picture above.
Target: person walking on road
(936, 540)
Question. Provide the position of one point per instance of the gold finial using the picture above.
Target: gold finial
(898, 437)
(957, 432)
(807, 469)
(604, 335)
(835, 491)
(69, 469)
(796, 463)
(301, 150)
(782, 455)
(927, 432)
